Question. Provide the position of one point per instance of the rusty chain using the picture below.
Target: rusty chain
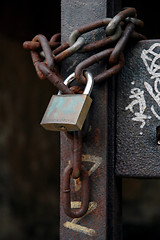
(126, 19)
(76, 170)
(47, 56)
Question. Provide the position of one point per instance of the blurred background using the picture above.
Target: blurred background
(29, 155)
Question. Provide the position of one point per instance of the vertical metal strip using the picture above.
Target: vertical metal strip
(114, 203)
(101, 220)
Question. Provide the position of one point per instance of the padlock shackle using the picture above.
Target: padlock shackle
(89, 84)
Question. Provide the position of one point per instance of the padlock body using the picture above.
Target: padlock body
(66, 112)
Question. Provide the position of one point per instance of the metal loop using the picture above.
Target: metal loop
(89, 83)
(36, 60)
(70, 50)
(54, 39)
(88, 62)
(48, 54)
(46, 49)
(116, 34)
(75, 139)
(52, 43)
(30, 45)
(135, 21)
(111, 71)
(66, 195)
(60, 49)
(121, 44)
(103, 42)
(53, 78)
(97, 44)
(95, 59)
(87, 28)
(128, 12)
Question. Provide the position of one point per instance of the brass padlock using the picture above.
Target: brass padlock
(68, 112)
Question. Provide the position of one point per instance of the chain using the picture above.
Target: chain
(76, 170)
(47, 56)
(118, 31)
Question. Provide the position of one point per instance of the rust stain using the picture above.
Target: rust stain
(77, 183)
(96, 136)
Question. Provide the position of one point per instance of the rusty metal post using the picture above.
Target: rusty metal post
(102, 219)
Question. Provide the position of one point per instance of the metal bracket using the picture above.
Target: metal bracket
(138, 112)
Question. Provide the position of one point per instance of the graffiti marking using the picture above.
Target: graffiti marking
(77, 204)
(78, 228)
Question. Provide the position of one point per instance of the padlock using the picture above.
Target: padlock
(68, 112)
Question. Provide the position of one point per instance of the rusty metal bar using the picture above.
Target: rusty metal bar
(77, 154)
(101, 221)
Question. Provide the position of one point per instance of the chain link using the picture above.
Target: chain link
(128, 12)
(66, 195)
(96, 58)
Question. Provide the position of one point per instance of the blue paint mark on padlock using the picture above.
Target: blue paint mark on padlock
(68, 112)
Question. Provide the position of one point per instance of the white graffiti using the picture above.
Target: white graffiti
(138, 99)
(151, 59)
